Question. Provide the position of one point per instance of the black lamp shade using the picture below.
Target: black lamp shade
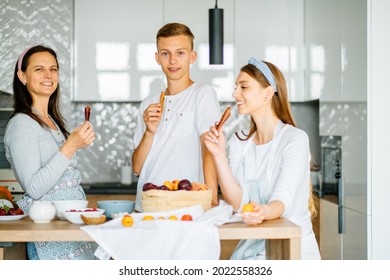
(216, 35)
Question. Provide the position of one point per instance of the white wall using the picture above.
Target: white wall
(378, 127)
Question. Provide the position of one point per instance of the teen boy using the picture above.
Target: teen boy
(169, 140)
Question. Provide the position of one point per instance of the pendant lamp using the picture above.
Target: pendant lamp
(216, 35)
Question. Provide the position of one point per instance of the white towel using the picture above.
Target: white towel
(164, 239)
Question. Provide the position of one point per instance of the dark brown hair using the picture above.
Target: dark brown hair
(175, 29)
(23, 100)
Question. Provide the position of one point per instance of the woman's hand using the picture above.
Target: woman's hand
(261, 212)
(152, 117)
(215, 141)
(80, 137)
(257, 216)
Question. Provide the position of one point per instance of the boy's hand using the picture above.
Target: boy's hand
(152, 117)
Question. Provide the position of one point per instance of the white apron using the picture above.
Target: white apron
(256, 189)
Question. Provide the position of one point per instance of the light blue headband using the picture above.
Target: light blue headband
(264, 69)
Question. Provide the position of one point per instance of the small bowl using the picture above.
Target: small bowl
(74, 215)
(63, 205)
(116, 206)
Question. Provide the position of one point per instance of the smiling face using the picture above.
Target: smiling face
(41, 76)
(175, 55)
(250, 96)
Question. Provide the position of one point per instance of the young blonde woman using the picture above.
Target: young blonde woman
(269, 164)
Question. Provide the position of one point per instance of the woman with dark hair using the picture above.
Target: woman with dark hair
(268, 165)
(40, 149)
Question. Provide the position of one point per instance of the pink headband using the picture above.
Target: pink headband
(20, 60)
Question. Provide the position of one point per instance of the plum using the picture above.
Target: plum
(184, 185)
(163, 187)
(149, 186)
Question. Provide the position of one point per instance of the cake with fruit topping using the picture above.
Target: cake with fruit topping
(175, 195)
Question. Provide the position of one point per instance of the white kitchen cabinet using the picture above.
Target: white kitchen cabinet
(114, 57)
(355, 235)
(273, 31)
(336, 50)
(354, 50)
(338, 30)
(351, 243)
(330, 244)
(323, 49)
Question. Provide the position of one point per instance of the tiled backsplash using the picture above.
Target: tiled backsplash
(115, 125)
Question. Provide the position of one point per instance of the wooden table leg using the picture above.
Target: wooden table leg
(15, 252)
(283, 249)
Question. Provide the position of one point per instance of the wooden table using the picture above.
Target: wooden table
(283, 238)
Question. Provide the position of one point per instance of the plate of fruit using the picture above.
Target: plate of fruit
(9, 210)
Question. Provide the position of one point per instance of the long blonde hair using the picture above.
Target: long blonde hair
(281, 107)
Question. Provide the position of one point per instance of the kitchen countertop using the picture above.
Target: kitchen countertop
(283, 238)
(110, 188)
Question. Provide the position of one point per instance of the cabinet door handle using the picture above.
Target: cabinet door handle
(341, 219)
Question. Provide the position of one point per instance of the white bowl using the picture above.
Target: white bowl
(74, 215)
(63, 205)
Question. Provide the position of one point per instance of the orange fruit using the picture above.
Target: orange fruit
(173, 217)
(148, 218)
(175, 185)
(186, 217)
(247, 208)
(168, 184)
(127, 221)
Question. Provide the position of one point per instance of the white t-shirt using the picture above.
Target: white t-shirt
(176, 150)
(278, 170)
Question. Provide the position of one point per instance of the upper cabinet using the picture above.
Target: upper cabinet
(273, 31)
(354, 50)
(115, 45)
(114, 49)
(336, 50)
